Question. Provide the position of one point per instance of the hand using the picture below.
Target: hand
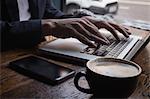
(74, 27)
(109, 26)
(84, 29)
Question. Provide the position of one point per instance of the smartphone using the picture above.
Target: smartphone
(42, 70)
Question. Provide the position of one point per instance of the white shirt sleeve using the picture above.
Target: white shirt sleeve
(23, 7)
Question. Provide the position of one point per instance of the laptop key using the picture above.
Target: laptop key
(105, 53)
(112, 46)
(125, 44)
(101, 50)
(98, 52)
(116, 48)
(88, 50)
(112, 50)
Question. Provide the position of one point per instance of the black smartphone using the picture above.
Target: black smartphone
(42, 70)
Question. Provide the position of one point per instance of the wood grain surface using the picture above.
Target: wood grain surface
(15, 85)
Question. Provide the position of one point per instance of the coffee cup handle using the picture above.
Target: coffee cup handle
(76, 79)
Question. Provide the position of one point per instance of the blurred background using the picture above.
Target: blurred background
(134, 9)
(128, 9)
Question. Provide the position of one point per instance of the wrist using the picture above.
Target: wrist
(47, 27)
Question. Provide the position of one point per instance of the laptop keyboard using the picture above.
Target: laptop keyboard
(112, 50)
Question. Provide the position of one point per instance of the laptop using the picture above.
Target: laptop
(72, 49)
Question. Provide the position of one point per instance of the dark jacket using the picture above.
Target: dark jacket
(26, 33)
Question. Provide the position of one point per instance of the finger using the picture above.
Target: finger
(86, 33)
(129, 33)
(122, 30)
(84, 39)
(110, 28)
(94, 30)
(92, 21)
(99, 40)
(97, 33)
(91, 24)
(81, 37)
(102, 24)
(126, 28)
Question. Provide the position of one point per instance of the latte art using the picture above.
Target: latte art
(114, 69)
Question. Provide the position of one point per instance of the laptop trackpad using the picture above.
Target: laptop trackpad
(67, 45)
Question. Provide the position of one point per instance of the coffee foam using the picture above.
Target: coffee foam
(114, 69)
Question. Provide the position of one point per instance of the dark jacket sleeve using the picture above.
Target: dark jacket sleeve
(20, 34)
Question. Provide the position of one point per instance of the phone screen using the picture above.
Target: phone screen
(42, 68)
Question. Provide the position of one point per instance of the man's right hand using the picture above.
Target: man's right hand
(77, 28)
(80, 28)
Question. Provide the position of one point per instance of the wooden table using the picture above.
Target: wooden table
(15, 85)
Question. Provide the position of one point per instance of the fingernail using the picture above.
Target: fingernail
(118, 39)
(127, 36)
(93, 45)
(108, 42)
(129, 33)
